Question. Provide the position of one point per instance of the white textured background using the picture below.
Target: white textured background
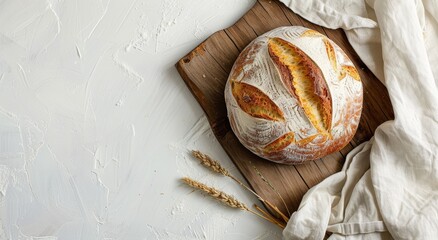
(95, 122)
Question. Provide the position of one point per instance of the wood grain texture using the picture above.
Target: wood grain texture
(205, 71)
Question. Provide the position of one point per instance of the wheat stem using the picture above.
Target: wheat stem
(215, 193)
(215, 166)
(224, 198)
(268, 219)
(273, 219)
(272, 187)
(269, 204)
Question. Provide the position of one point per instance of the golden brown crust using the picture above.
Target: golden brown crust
(341, 71)
(341, 74)
(311, 33)
(304, 80)
(285, 73)
(280, 143)
(331, 54)
(254, 102)
(352, 71)
(306, 140)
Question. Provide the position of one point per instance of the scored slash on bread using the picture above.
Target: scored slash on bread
(306, 140)
(286, 140)
(352, 71)
(255, 103)
(305, 81)
(280, 143)
(341, 71)
(311, 33)
(331, 54)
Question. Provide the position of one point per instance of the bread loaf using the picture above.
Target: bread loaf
(293, 95)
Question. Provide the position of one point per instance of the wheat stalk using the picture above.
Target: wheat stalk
(210, 163)
(273, 189)
(216, 167)
(269, 216)
(225, 198)
(219, 195)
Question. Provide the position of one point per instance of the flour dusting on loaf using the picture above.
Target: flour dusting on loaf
(293, 95)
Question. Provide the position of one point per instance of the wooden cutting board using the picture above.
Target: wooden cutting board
(205, 71)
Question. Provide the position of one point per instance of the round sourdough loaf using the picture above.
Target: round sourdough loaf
(293, 95)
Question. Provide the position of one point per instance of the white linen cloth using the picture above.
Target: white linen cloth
(388, 187)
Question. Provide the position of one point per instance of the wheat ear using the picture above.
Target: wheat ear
(219, 195)
(210, 163)
(225, 198)
(215, 166)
